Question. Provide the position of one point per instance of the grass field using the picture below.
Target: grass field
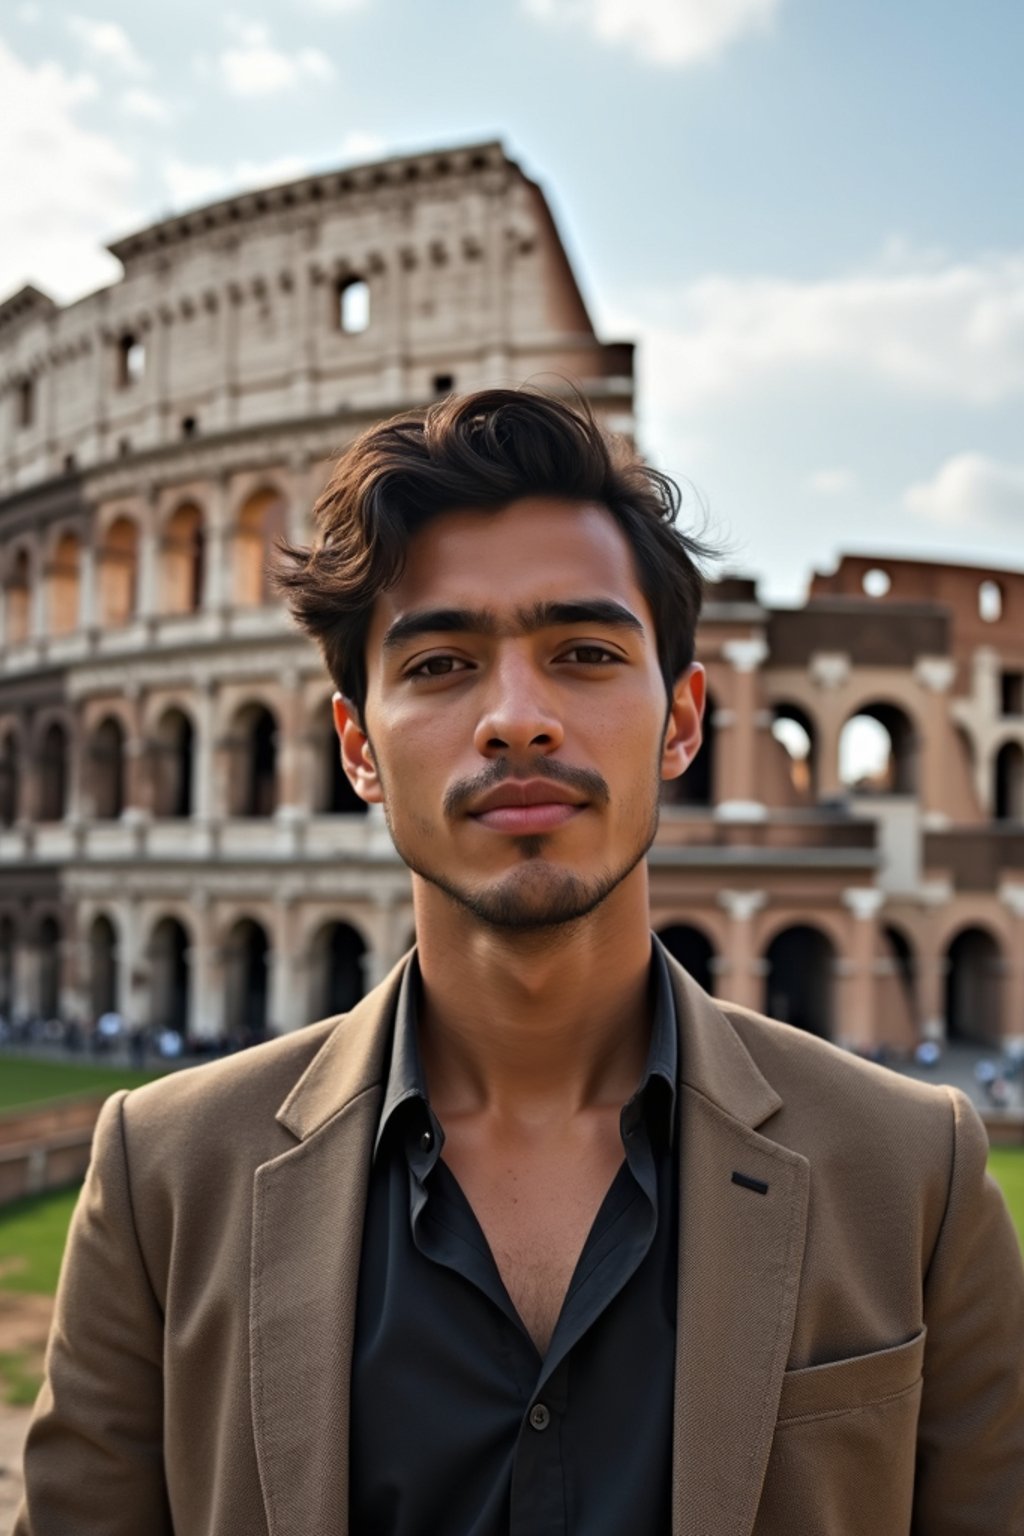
(24, 1081)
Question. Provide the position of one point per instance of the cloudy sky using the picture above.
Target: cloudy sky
(809, 213)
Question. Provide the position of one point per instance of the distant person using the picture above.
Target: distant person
(539, 1238)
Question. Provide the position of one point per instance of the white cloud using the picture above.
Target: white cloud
(65, 186)
(108, 43)
(190, 185)
(332, 7)
(252, 66)
(832, 482)
(136, 101)
(359, 144)
(971, 493)
(932, 332)
(663, 32)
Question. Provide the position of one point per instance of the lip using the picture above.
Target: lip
(527, 805)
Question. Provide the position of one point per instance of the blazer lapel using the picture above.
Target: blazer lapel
(308, 1208)
(740, 1256)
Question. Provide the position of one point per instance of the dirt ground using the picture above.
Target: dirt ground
(24, 1325)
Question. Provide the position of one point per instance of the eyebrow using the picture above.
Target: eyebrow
(526, 621)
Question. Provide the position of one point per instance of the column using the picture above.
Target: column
(285, 1009)
(935, 674)
(829, 672)
(291, 800)
(138, 787)
(87, 604)
(740, 974)
(148, 559)
(856, 1012)
(206, 989)
(216, 597)
(205, 698)
(738, 765)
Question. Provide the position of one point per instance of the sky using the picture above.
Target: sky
(809, 215)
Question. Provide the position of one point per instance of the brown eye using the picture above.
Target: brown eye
(589, 655)
(438, 666)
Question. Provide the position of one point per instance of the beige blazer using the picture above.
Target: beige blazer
(850, 1355)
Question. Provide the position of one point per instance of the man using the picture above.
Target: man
(538, 1238)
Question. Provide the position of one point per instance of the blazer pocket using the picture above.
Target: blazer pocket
(843, 1385)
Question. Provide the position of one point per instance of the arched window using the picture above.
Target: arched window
(1009, 795)
(169, 975)
(183, 561)
(10, 779)
(253, 750)
(53, 773)
(103, 989)
(793, 729)
(261, 521)
(118, 563)
(801, 963)
(106, 753)
(19, 598)
(878, 751)
(246, 966)
(974, 988)
(173, 764)
(337, 970)
(131, 360)
(353, 296)
(63, 594)
(333, 795)
(49, 974)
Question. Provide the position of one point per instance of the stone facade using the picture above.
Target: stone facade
(177, 841)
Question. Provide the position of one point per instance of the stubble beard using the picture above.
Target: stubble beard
(536, 894)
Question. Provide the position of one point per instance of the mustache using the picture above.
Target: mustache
(585, 781)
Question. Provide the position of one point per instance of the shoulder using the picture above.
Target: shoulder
(832, 1098)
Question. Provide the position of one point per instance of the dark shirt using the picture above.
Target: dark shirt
(459, 1428)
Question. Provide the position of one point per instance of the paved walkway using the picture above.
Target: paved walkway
(13, 1424)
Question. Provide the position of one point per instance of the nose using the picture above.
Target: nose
(519, 714)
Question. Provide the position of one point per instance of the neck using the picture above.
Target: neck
(537, 1024)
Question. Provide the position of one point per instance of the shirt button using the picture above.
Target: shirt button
(427, 1140)
(540, 1418)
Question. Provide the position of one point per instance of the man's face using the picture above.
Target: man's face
(515, 720)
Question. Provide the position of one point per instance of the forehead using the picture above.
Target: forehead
(533, 550)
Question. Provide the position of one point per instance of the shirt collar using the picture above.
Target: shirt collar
(406, 1080)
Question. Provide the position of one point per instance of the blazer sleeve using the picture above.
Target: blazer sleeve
(94, 1454)
(970, 1465)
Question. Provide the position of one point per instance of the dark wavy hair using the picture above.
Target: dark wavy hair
(480, 450)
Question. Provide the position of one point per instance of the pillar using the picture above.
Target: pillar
(738, 760)
(857, 1006)
(741, 972)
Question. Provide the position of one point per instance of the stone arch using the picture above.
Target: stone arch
(19, 598)
(48, 976)
(246, 957)
(799, 987)
(173, 763)
(338, 958)
(795, 729)
(262, 518)
(333, 794)
(64, 585)
(103, 977)
(974, 986)
(10, 777)
(865, 765)
(183, 559)
(107, 768)
(696, 787)
(168, 953)
(252, 746)
(693, 949)
(1008, 795)
(118, 562)
(52, 768)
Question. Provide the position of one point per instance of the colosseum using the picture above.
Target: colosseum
(178, 841)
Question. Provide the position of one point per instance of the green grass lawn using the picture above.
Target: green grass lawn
(24, 1081)
(1006, 1164)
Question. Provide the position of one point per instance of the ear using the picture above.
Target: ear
(356, 752)
(683, 734)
